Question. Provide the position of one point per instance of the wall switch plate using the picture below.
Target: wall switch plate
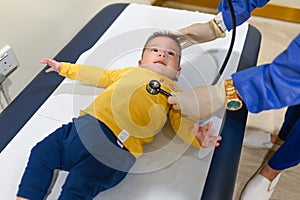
(8, 60)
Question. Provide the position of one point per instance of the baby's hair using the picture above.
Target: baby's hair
(162, 34)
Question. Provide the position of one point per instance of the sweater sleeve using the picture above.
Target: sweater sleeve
(91, 74)
(183, 127)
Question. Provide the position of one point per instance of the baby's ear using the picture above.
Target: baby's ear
(140, 62)
(178, 72)
(177, 75)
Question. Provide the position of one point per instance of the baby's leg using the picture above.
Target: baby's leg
(45, 157)
(88, 178)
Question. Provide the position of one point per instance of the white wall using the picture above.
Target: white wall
(36, 29)
(290, 3)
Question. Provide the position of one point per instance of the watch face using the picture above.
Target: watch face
(233, 105)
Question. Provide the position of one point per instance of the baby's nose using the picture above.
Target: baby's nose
(162, 53)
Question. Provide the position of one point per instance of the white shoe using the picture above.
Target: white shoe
(259, 188)
(257, 139)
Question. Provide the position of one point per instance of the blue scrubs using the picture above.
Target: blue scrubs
(88, 150)
(288, 155)
(271, 86)
(292, 115)
(274, 85)
(242, 10)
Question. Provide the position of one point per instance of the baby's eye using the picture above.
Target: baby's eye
(154, 49)
(171, 53)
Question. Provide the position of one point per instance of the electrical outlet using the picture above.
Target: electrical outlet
(8, 60)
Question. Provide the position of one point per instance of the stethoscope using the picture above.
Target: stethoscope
(154, 88)
(233, 21)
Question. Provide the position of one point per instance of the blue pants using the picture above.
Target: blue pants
(288, 155)
(291, 116)
(88, 150)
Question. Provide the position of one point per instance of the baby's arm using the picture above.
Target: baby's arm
(205, 136)
(55, 66)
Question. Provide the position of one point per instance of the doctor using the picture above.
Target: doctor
(269, 86)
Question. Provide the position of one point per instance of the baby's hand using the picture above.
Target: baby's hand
(55, 66)
(205, 136)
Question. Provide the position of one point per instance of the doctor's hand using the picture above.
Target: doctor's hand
(204, 135)
(198, 103)
(198, 33)
(54, 65)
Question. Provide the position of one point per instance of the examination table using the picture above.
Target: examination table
(168, 173)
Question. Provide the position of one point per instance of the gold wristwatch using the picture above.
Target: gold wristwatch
(233, 101)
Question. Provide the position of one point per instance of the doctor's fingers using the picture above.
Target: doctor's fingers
(186, 41)
(173, 100)
(183, 37)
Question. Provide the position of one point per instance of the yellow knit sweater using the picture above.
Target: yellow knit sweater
(126, 105)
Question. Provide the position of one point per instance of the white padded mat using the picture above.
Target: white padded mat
(169, 169)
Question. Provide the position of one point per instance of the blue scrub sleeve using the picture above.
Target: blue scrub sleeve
(274, 85)
(242, 10)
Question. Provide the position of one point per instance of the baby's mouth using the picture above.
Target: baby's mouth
(160, 62)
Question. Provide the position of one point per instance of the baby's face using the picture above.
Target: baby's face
(162, 54)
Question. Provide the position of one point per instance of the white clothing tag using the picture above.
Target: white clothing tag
(123, 136)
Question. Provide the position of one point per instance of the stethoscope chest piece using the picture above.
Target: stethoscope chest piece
(154, 88)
